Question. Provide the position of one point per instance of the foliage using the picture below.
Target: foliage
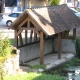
(5, 49)
(54, 2)
(34, 76)
(54, 71)
(5, 52)
(43, 66)
(73, 62)
(12, 41)
(78, 47)
(78, 9)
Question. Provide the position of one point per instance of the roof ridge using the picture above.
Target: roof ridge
(56, 6)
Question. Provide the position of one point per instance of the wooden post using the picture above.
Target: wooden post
(20, 37)
(16, 39)
(74, 33)
(41, 48)
(35, 36)
(59, 45)
(31, 33)
(67, 33)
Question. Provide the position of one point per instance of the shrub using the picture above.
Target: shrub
(54, 2)
(5, 49)
(78, 47)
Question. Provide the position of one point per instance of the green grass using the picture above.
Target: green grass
(74, 62)
(37, 66)
(34, 76)
(12, 41)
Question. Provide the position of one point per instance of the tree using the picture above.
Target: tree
(54, 2)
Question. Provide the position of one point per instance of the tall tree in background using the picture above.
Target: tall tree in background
(54, 2)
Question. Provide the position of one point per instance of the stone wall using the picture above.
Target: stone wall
(30, 52)
(11, 65)
(67, 46)
(33, 51)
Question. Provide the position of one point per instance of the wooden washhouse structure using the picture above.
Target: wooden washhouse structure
(44, 23)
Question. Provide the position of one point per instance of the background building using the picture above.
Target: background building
(9, 6)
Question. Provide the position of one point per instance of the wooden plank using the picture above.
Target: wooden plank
(31, 43)
(16, 39)
(35, 36)
(24, 28)
(59, 45)
(74, 33)
(28, 22)
(31, 36)
(23, 22)
(37, 33)
(21, 41)
(41, 48)
(35, 25)
(19, 31)
(67, 33)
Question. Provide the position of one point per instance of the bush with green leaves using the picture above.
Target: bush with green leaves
(5, 49)
(54, 2)
(78, 47)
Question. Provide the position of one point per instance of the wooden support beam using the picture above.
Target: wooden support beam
(23, 22)
(35, 25)
(59, 45)
(28, 22)
(37, 33)
(21, 41)
(74, 33)
(19, 31)
(67, 33)
(25, 28)
(41, 48)
(31, 33)
(16, 39)
(35, 36)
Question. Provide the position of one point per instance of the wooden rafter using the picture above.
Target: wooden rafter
(23, 22)
(28, 22)
(19, 31)
(35, 25)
